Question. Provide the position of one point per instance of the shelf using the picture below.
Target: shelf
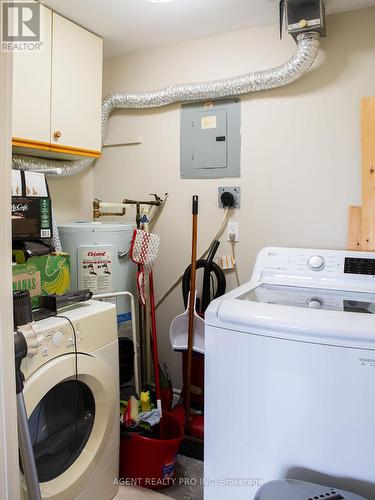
(122, 142)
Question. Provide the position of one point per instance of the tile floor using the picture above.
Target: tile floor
(131, 493)
(186, 468)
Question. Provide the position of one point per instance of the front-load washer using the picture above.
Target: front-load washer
(72, 400)
(290, 375)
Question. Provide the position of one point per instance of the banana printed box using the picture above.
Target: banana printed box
(45, 275)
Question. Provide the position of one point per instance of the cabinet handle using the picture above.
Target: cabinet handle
(57, 134)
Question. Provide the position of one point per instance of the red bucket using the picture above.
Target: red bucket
(150, 461)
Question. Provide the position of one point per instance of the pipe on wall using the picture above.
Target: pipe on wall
(293, 69)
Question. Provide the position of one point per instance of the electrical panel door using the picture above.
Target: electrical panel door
(210, 140)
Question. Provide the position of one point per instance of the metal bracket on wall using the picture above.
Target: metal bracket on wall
(123, 142)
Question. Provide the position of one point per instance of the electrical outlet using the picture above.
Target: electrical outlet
(235, 191)
(234, 228)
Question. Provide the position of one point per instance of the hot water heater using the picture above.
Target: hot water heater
(100, 260)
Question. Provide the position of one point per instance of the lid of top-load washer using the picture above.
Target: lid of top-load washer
(95, 226)
(306, 314)
(312, 298)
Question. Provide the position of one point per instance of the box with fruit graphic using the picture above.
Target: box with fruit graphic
(45, 275)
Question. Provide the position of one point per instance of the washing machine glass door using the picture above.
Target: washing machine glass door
(60, 427)
(72, 421)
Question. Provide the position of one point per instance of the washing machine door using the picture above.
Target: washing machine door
(72, 420)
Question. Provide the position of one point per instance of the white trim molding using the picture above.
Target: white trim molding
(9, 482)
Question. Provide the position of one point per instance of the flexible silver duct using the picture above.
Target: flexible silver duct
(55, 240)
(294, 68)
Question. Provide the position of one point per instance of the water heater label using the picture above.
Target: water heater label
(95, 268)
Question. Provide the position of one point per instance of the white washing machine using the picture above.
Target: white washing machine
(290, 375)
(72, 400)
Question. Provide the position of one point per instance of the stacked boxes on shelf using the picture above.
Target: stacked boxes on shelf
(36, 267)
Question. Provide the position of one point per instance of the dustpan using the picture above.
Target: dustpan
(178, 331)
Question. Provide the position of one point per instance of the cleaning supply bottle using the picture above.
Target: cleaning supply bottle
(145, 401)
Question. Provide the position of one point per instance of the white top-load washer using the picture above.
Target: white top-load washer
(290, 375)
(72, 401)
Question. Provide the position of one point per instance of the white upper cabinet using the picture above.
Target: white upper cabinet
(32, 90)
(57, 92)
(76, 86)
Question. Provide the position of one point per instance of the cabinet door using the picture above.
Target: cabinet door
(77, 57)
(32, 91)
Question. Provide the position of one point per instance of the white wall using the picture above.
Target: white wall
(72, 196)
(300, 147)
(9, 484)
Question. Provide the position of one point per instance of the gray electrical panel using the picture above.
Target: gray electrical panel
(211, 140)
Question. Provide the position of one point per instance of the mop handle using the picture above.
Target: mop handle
(155, 342)
(191, 308)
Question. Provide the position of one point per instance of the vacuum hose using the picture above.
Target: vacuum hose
(218, 273)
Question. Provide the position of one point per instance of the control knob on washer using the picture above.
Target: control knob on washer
(316, 263)
(57, 339)
(315, 303)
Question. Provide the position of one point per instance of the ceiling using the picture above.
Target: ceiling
(131, 25)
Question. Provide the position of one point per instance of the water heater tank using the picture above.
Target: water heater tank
(100, 260)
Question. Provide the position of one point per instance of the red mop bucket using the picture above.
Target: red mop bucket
(150, 461)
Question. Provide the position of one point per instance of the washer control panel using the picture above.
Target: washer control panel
(61, 337)
(60, 340)
(315, 264)
(88, 326)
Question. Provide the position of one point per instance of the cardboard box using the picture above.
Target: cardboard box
(31, 206)
(43, 276)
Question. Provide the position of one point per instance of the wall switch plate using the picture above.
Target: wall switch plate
(236, 191)
(234, 228)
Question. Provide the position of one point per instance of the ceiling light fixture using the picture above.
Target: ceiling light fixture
(160, 1)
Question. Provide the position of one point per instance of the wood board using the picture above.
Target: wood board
(368, 173)
(355, 228)
(361, 233)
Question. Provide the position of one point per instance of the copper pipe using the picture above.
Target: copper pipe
(97, 213)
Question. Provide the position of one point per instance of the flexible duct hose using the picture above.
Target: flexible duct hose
(294, 68)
